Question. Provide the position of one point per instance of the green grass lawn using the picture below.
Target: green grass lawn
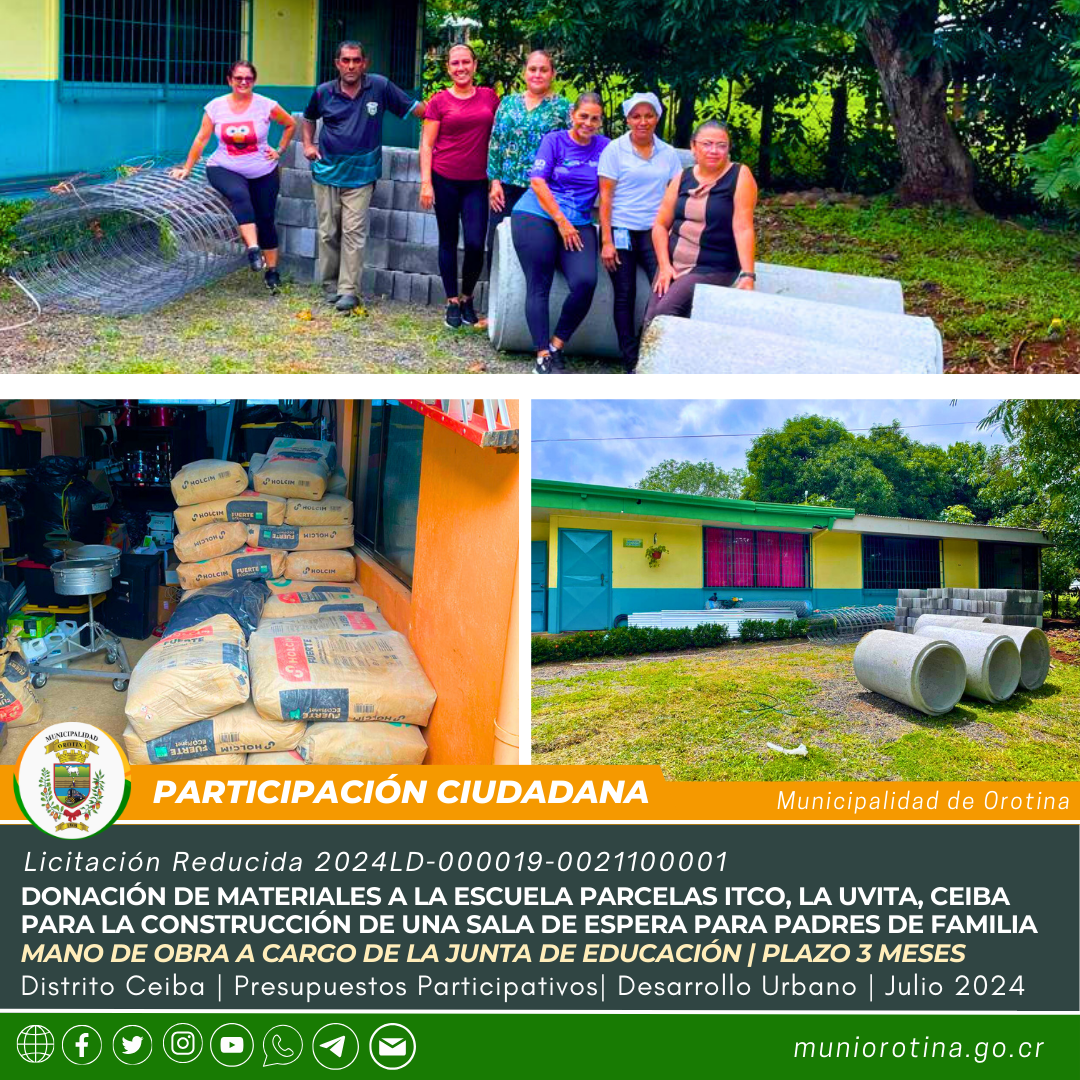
(708, 716)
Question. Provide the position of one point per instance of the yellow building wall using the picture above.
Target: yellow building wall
(837, 560)
(960, 563)
(679, 568)
(283, 41)
(540, 530)
(29, 39)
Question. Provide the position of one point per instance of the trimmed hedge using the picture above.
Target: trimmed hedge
(10, 215)
(629, 641)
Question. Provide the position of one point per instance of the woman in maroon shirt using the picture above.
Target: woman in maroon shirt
(453, 171)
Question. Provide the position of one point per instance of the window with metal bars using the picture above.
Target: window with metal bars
(158, 42)
(1008, 566)
(901, 562)
(395, 27)
(749, 559)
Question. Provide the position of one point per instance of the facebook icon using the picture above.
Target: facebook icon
(81, 1045)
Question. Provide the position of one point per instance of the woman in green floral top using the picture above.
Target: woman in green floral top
(521, 122)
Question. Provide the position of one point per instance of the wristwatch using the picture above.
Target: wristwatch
(746, 273)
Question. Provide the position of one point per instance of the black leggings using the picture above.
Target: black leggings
(511, 194)
(624, 284)
(253, 202)
(540, 249)
(465, 201)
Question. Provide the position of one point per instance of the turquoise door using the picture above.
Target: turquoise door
(584, 579)
(539, 585)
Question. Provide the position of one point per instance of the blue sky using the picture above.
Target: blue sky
(622, 464)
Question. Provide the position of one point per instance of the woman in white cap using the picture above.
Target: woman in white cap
(635, 170)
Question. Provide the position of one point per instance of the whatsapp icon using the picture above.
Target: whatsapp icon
(282, 1045)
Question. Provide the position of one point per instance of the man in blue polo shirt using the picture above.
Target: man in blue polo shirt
(346, 162)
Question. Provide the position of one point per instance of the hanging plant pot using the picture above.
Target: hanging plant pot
(653, 553)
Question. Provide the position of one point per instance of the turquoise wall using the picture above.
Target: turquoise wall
(625, 601)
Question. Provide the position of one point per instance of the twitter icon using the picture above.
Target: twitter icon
(132, 1044)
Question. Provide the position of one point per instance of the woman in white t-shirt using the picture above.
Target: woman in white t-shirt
(244, 167)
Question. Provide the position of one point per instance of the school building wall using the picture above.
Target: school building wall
(677, 582)
(458, 615)
(59, 129)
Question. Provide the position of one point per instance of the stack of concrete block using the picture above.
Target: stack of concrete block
(1010, 607)
(401, 259)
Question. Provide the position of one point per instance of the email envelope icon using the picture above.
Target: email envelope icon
(392, 1048)
(232, 1044)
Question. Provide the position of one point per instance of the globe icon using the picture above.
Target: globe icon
(35, 1044)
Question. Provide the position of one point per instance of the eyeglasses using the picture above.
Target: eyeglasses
(709, 147)
(243, 78)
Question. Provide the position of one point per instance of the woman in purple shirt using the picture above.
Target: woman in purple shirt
(552, 228)
(244, 167)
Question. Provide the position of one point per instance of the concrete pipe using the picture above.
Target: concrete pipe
(673, 346)
(992, 660)
(964, 622)
(927, 675)
(509, 331)
(1034, 651)
(910, 339)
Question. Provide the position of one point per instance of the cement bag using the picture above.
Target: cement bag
(294, 605)
(19, 704)
(188, 675)
(240, 565)
(210, 541)
(296, 468)
(337, 484)
(240, 730)
(248, 506)
(333, 510)
(338, 622)
(362, 744)
(243, 600)
(279, 586)
(312, 677)
(208, 479)
(217, 759)
(282, 537)
(321, 566)
(286, 757)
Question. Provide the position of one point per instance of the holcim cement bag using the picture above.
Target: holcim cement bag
(188, 675)
(301, 537)
(338, 622)
(243, 600)
(294, 605)
(208, 479)
(240, 730)
(286, 757)
(283, 537)
(367, 677)
(362, 744)
(217, 759)
(296, 468)
(240, 565)
(333, 510)
(19, 705)
(279, 586)
(210, 541)
(248, 506)
(321, 566)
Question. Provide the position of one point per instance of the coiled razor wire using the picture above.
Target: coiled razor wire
(800, 607)
(849, 623)
(126, 246)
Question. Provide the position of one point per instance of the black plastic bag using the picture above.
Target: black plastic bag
(61, 500)
(243, 600)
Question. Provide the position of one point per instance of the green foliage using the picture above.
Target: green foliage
(764, 630)
(957, 515)
(626, 641)
(11, 213)
(694, 478)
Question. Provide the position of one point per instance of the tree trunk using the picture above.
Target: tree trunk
(936, 165)
(1053, 605)
(684, 116)
(836, 153)
(765, 143)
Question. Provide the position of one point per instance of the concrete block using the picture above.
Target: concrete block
(387, 162)
(299, 212)
(415, 229)
(303, 242)
(384, 282)
(296, 184)
(413, 258)
(379, 222)
(420, 289)
(367, 281)
(377, 253)
(399, 165)
(402, 286)
(406, 196)
(383, 195)
(431, 230)
(296, 268)
(399, 225)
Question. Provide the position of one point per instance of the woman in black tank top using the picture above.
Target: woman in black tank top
(704, 231)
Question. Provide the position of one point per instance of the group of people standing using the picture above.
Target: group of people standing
(533, 157)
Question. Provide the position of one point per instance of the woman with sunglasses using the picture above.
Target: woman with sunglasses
(244, 167)
(704, 231)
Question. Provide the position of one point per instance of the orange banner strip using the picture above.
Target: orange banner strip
(540, 793)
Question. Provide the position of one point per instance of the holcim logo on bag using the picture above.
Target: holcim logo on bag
(187, 635)
(358, 621)
(292, 659)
